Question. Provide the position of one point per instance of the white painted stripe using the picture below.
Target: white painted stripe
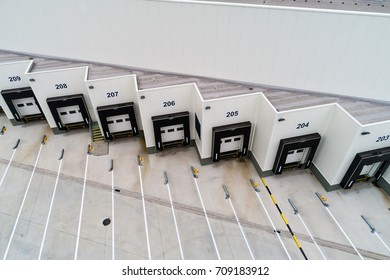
(242, 231)
(23, 201)
(311, 236)
(144, 208)
(381, 240)
(50, 209)
(273, 226)
(207, 219)
(81, 208)
(9, 164)
(113, 215)
(174, 219)
(346, 236)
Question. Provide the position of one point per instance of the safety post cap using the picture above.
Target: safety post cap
(255, 185)
(62, 154)
(90, 149)
(322, 199)
(368, 223)
(44, 139)
(3, 130)
(111, 165)
(227, 194)
(293, 206)
(194, 171)
(165, 178)
(140, 160)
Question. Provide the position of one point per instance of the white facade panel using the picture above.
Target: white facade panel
(319, 50)
(296, 123)
(334, 152)
(266, 119)
(56, 83)
(12, 76)
(111, 91)
(162, 101)
(227, 111)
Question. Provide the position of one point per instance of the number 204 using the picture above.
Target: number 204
(302, 125)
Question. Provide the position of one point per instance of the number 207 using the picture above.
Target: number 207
(112, 94)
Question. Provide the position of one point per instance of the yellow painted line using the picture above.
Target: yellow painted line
(262, 179)
(284, 219)
(273, 199)
(296, 241)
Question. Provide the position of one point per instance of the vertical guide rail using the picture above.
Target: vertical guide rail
(173, 214)
(24, 198)
(324, 202)
(227, 196)
(195, 174)
(51, 205)
(10, 161)
(374, 232)
(255, 187)
(82, 203)
(303, 223)
(140, 163)
(284, 219)
(112, 209)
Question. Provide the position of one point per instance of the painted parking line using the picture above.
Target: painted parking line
(82, 203)
(195, 175)
(296, 212)
(140, 164)
(10, 161)
(373, 230)
(257, 191)
(227, 196)
(51, 205)
(111, 170)
(326, 205)
(166, 182)
(44, 140)
(284, 218)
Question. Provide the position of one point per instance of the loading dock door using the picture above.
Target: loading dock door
(23, 104)
(69, 111)
(171, 130)
(118, 120)
(296, 152)
(231, 140)
(367, 166)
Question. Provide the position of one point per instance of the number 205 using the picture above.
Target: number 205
(231, 114)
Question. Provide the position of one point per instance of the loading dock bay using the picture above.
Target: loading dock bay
(130, 239)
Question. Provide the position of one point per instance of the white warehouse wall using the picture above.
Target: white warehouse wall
(152, 105)
(335, 52)
(44, 87)
(12, 69)
(124, 85)
(245, 106)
